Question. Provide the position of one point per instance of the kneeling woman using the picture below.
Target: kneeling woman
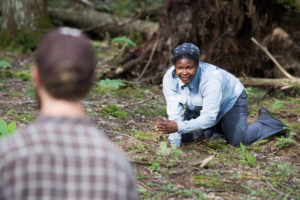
(201, 96)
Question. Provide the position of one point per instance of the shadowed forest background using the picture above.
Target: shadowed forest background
(133, 41)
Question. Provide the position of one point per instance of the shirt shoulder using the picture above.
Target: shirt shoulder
(210, 71)
(170, 74)
(170, 79)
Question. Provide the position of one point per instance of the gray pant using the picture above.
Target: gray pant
(233, 126)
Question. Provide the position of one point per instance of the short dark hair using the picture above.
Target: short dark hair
(66, 64)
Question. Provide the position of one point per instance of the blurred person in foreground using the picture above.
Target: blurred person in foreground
(207, 101)
(62, 155)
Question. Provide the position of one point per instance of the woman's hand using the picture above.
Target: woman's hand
(166, 126)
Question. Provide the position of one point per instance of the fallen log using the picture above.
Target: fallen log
(282, 83)
(100, 22)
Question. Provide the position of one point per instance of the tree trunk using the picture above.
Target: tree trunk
(23, 22)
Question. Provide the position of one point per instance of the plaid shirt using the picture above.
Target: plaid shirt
(63, 158)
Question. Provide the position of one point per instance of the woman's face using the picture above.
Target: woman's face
(185, 69)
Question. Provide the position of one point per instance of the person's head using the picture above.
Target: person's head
(65, 64)
(186, 61)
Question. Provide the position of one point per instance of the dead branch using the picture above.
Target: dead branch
(149, 61)
(285, 73)
(138, 103)
(126, 67)
(122, 134)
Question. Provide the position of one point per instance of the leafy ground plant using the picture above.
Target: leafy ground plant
(6, 129)
(124, 40)
(4, 64)
(286, 141)
(246, 156)
(114, 111)
(108, 86)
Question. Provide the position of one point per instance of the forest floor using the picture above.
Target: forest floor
(206, 169)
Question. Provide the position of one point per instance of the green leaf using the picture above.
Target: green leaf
(164, 148)
(6, 129)
(4, 64)
(11, 127)
(103, 6)
(250, 158)
(277, 104)
(2, 123)
(3, 130)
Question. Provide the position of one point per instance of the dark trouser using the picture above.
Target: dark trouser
(235, 129)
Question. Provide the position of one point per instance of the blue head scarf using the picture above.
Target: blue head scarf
(188, 49)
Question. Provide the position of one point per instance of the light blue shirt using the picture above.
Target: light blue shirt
(212, 88)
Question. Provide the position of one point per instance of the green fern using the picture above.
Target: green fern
(277, 104)
(125, 40)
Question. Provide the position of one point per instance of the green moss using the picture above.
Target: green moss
(215, 145)
(130, 92)
(1, 20)
(8, 59)
(101, 74)
(207, 181)
(22, 75)
(114, 111)
(136, 36)
(20, 41)
(22, 117)
(144, 135)
(145, 112)
(162, 112)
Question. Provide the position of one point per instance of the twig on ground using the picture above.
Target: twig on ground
(138, 103)
(89, 103)
(204, 162)
(207, 160)
(19, 102)
(123, 134)
(149, 61)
